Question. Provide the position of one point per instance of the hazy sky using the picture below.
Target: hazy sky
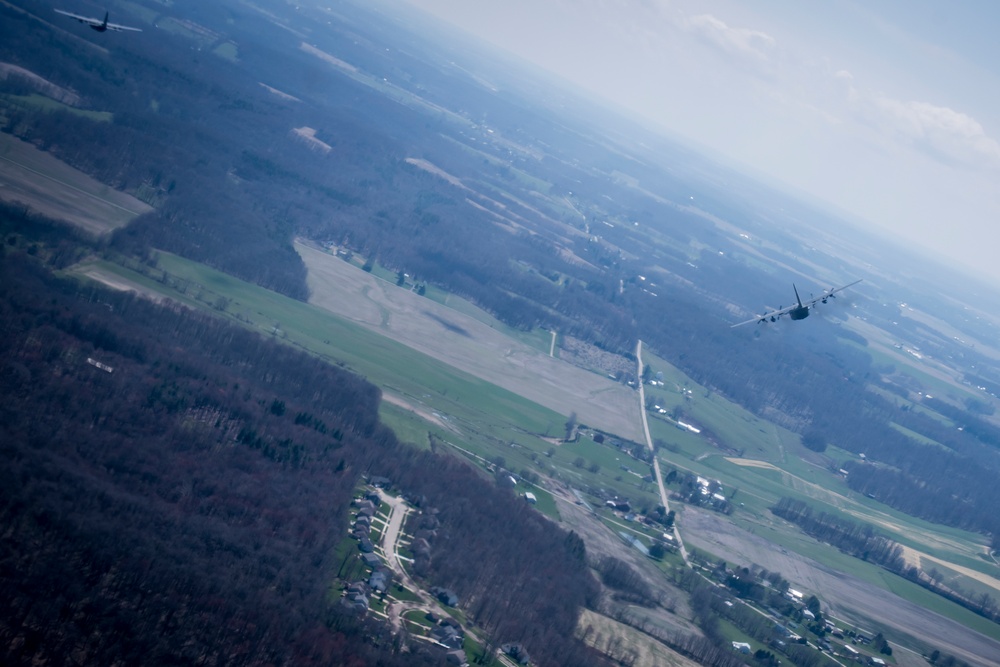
(887, 108)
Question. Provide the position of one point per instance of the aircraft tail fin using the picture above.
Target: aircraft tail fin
(797, 298)
(105, 19)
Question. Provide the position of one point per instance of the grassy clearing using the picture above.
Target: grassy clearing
(930, 383)
(487, 422)
(731, 425)
(403, 594)
(53, 188)
(537, 339)
(386, 363)
(480, 418)
(36, 102)
(227, 51)
(913, 593)
(349, 565)
(759, 488)
(203, 37)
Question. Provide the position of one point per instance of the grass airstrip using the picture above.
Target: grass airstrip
(431, 401)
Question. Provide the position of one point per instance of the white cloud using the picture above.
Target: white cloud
(941, 131)
(746, 45)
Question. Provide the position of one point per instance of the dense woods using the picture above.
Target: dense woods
(182, 435)
(175, 487)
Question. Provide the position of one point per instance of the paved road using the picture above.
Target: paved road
(656, 461)
(398, 511)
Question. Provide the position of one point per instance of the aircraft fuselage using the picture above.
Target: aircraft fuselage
(800, 313)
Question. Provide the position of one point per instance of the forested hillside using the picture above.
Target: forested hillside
(165, 499)
(473, 176)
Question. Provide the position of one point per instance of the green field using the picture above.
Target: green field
(36, 102)
(486, 424)
(51, 187)
(228, 51)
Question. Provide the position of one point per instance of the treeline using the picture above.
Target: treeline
(951, 485)
(175, 488)
(861, 541)
(629, 586)
(857, 539)
(708, 651)
(137, 529)
(232, 190)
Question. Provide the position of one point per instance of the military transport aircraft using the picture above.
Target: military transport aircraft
(98, 24)
(799, 311)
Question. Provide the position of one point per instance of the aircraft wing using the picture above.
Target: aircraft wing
(115, 26)
(766, 317)
(772, 315)
(829, 293)
(81, 19)
(97, 22)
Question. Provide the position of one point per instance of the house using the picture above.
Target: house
(517, 652)
(456, 657)
(741, 647)
(619, 505)
(530, 497)
(447, 635)
(380, 482)
(371, 560)
(358, 605)
(445, 595)
(378, 581)
(366, 545)
(364, 503)
(876, 662)
(374, 498)
(420, 546)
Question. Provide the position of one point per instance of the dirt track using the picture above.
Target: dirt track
(469, 345)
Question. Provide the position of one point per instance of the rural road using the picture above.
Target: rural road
(656, 461)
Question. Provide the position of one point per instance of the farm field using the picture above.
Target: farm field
(469, 344)
(54, 189)
(647, 652)
(428, 399)
(424, 398)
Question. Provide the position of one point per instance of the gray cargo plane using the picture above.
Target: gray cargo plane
(98, 24)
(799, 311)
